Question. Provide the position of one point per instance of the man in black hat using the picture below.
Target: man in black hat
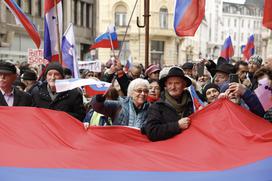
(29, 79)
(9, 95)
(222, 74)
(169, 116)
(188, 69)
(45, 95)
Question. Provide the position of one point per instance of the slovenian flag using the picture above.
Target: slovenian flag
(224, 142)
(106, 40)
(23, 19)
(51, 52)
(69, 51)
(267, 15)
(188, 16)
(227, 50)
(249, 48)
(98, 88)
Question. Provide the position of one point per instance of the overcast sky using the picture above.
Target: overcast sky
(235, 1)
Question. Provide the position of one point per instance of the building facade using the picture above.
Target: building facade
(166, 48)
(240, 21)
(14, 40)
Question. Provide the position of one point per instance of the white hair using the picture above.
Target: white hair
(135, 83)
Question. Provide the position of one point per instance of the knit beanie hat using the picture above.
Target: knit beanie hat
(208, 86)
(54, 66)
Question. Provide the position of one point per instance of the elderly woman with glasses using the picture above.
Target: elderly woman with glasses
(129, 111)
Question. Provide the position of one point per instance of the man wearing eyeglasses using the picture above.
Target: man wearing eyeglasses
(169, 116)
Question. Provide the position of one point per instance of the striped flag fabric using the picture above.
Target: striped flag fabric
(197, 102)
(69, 84)
(95, 89)
(24, 20)
(69, 51)
(227, 50)
(188, 16)
(51, 52)
(249, 48)
(42, 144)
(106, 40)
(267, 15)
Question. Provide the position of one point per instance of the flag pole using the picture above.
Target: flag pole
(112, 48)
(58, 33)
(124, 38)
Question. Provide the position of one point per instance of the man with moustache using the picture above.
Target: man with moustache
(169, 116)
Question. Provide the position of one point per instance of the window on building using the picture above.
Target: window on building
(229, 22)
(248, 24)
(157, 52)
(222, 36)
(74, 12)
(120, 15)
(125, 53)
(235, 22)
(242, 23)
(39, 8)
(81, 13)
(163, 18)
(26, 6)
(89, 15)
(234, 36)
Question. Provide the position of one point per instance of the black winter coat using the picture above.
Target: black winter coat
(20, 98)
(69, 101)
(162, 120)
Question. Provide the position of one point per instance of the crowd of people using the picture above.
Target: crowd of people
(157, 100)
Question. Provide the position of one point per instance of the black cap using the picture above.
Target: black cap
(208, 86)
(54, 66)
(6, 67)
(187, 65)
(29, 75)
(175, 72)
(225, 68)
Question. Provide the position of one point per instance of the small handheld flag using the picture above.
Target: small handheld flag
(227, 50)
(249, 48)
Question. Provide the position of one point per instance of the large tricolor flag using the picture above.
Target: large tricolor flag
(267, 15)
(188, 16)
(69, 51)
(224, 142)
(24, 20)
(249, 48)
(51, 39)
(106, 40)
(227, 50)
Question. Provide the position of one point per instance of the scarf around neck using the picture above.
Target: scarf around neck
(179, 106)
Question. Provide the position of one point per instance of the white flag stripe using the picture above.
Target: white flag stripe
(69, 84)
